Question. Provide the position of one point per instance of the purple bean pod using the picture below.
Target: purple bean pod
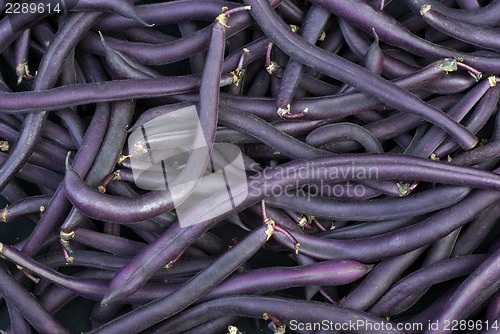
(435, 136)
(165, 13)
(151, 54)
(367, 229)
(108, 243)
(311, 29)
(77, 94)
(476, 232)
(147, 35)
(398, 242)
(58, 207)
(389, 304)
(352, 74)
(28, 306)
(476, 288)
(201, 284)
(484, 110)
(362, 15)
(331, 107)
(256, 307)
(379, 280)
(17, 323)
(165, 249)
(487, 15)
(124, 67)
(441, 249)
(33, 123)
(387, 208)
(344, 131)
(26, 206)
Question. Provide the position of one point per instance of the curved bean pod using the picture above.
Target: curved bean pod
(109, 243)
(420, 279)
(435, 136)
(485, 37)
(478, 155)
(484, 110)
(59, 205)
(151, 54)
(344, 131)
(476, 288)
(476, 232)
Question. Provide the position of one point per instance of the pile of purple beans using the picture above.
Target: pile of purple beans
(261, 166)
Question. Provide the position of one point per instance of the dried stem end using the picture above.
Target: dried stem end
(238, 75)
(66, 236)
(297, 247)
(3, 216)
(115, 176)
(122, 158)
(322, 36)
(226, 12)
(233, 330)
(289, 236)
(273, 66)
(449, 65)
(407, 188)
(424, 9)
(289, 115)
(280, 329)
(270, 228)
(303, 222)
(492, 80)
(222, 20)
(403, 188)
(23, 72)
(66, 249)
(4, 145)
